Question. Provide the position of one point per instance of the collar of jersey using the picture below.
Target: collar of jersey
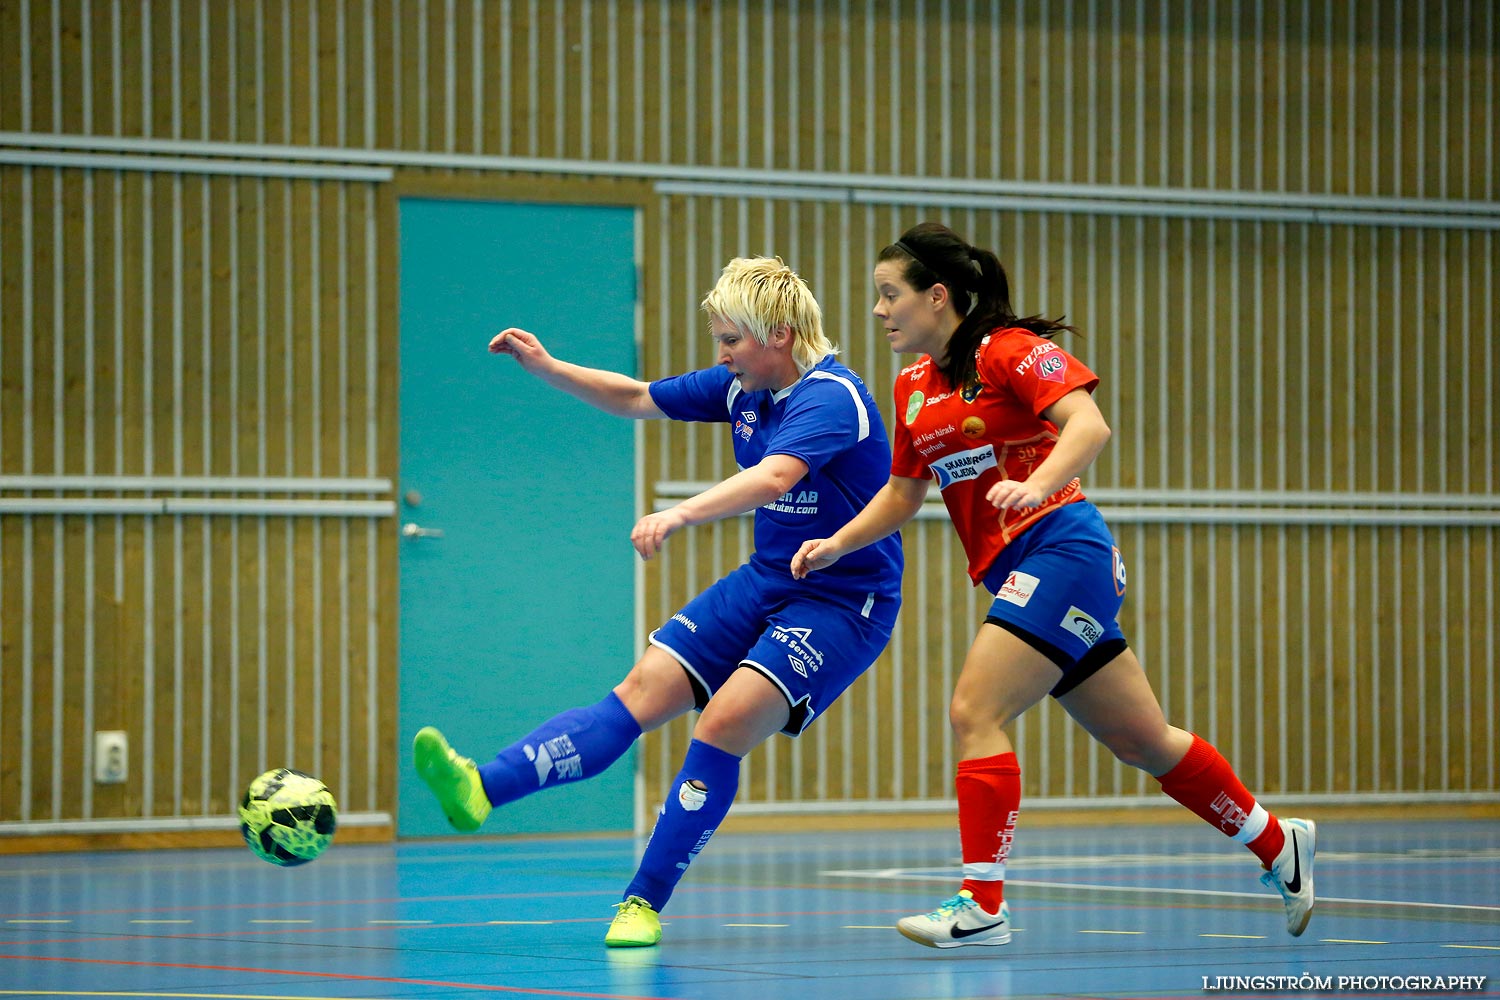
(824, 362)
(781, 394)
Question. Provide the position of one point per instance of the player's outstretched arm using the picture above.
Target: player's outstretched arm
(744, 491)
(611, 392)
(897, 502)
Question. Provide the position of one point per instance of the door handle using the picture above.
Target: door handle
(413, 530)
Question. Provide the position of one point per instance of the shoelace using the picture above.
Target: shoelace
(1271, 880)
(950, 907)
(629, 907)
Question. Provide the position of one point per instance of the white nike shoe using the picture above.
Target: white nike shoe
(1292, 874)
(957, 922)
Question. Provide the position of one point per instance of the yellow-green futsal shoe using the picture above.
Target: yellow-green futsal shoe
(635, 926)
(453, 779)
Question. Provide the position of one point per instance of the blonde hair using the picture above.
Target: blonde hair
(758, 294)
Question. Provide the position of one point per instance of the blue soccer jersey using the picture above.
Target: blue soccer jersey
(828, 419)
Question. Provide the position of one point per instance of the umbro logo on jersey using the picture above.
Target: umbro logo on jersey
(749, 416)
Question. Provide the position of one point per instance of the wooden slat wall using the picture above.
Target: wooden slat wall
(185, 326)
(172, 323)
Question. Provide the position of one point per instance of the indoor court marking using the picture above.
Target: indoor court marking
(1100, 912)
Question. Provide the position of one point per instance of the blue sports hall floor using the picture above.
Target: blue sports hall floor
(1147, 911)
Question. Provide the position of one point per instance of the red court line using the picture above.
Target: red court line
(346, 976)
(310, 902)
(236, 935)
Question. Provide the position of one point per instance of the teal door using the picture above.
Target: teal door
(517, 575)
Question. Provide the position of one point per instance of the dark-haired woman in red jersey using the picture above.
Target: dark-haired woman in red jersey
(1004, 420)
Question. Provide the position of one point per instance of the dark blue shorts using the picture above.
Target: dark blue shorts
(1059, 586)
(810, 641)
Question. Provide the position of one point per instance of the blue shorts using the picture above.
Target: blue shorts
(1059, 587)
(810, 642)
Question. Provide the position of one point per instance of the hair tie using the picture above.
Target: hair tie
(906, 248)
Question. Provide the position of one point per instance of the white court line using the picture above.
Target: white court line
(27, 921)
(1237, 937)
(517, 923)
(1425, 855)
(928, 875)
(400, 921)
(270, 921)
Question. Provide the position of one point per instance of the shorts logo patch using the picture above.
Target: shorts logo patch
(801, 653)
(1081, 624)
(1018, 588)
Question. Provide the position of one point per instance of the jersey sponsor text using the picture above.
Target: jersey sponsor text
(963, 466)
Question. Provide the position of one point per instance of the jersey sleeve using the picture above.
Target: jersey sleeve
(1034, 368)
(824, 417)
(703, 395)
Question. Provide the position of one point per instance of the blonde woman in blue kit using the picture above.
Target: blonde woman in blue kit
(758, 652)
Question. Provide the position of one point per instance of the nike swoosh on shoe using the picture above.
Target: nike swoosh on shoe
(1294, 884)
(959, 932)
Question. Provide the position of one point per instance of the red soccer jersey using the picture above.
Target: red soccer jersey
(971, 440)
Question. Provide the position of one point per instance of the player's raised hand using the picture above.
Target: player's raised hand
(652, 530)
(521, 345)
(815, 554)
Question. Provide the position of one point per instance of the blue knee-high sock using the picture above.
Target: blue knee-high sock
(579, 743)
(689, 817)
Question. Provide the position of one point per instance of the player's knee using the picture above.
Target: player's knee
(730, 735)
(655, 693)
(1138, 749)
(969, 716)
(1128, 751)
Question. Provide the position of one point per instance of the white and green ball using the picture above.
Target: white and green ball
(288, 817)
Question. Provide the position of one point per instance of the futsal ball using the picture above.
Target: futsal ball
(287, 817)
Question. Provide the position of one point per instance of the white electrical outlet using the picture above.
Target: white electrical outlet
(111, 756)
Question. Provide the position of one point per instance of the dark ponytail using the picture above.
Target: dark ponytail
(978, 286)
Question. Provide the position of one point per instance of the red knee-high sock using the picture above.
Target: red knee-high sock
(989, 796)
(1205, 783)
